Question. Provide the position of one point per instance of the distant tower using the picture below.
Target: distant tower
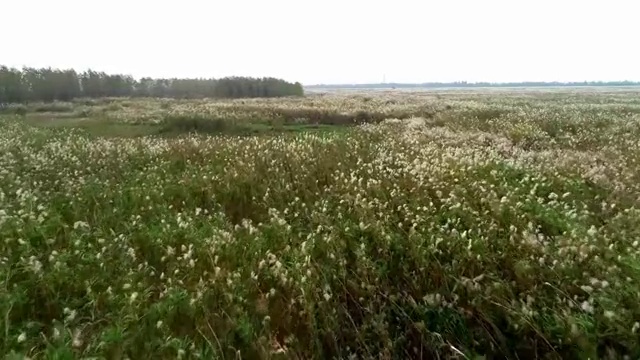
(384, 78)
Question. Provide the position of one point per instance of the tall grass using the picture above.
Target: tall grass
(396, 240)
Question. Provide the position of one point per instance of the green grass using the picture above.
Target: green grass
(483, 231)
(94, 126)
(105, 127)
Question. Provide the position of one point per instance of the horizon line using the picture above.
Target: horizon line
(477, 83)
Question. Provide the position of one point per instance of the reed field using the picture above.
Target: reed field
(350, 225)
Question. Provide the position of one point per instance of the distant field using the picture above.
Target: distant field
(501, 223)
(488, 89)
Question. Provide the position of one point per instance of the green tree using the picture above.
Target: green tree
(49, 84)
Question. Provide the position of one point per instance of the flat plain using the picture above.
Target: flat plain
(352, 224)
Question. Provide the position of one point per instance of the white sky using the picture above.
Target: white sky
(329, 41)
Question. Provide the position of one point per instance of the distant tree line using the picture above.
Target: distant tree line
(464, 84)
(30, 84)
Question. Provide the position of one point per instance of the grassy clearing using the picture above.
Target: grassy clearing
(95, 127)
(503, 226)
(104, 119)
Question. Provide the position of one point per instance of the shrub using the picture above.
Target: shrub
(196, 123)
(20, 110)
(55, 107)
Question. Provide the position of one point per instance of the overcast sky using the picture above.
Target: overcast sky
(329, 41)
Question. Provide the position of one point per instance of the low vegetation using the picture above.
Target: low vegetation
(440, 224)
